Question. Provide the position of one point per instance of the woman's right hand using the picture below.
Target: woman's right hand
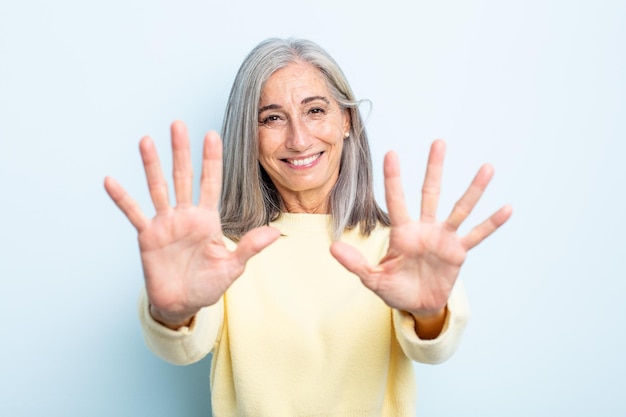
(185, 262)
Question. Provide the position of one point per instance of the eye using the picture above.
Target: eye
(271, 119)
(316, 112)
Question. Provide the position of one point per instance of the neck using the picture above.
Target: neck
(311, 207)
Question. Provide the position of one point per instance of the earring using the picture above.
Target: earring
(346, 135)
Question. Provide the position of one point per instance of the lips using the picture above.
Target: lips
(300, 162)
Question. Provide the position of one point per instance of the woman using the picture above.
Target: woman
(265, 276)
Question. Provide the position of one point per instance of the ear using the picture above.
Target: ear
(346, 121)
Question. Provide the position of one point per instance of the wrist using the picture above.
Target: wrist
(429, 315)
(171, 321)
(429, 325)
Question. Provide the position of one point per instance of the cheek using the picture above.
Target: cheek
(267, 150)
(265, 145)
(328, 132)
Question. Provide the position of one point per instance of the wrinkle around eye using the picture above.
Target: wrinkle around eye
(271, 120)
(316, 113)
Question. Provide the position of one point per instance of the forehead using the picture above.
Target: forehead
(296, 79)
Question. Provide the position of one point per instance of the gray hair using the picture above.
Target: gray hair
(249, 198)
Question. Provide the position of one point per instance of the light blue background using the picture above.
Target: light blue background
(536, 88)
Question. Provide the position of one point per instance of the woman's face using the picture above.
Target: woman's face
(301, 134)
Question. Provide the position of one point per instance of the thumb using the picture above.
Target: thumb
(254, 242)
(350, 258)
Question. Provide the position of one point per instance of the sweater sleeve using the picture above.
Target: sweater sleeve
(188, 344)
(440, 349)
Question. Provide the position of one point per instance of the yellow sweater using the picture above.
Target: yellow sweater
(298, 335)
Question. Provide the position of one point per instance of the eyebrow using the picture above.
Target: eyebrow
(305, 101)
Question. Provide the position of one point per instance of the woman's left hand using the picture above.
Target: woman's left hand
(424, 256)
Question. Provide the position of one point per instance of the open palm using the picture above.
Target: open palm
(185, 261)
(424, 256)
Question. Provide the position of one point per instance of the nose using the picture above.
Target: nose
(298, 138)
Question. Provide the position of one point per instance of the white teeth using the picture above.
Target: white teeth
(305, 161)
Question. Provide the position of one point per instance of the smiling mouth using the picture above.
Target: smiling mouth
(303, 161)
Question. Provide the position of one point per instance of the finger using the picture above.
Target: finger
(486, 228)
(125, 203)
(432, 181)
(211, 180)
(394, 194)
(350, 258)
(154, 175)
(254, 242)
(468, 201)
(182, 170)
